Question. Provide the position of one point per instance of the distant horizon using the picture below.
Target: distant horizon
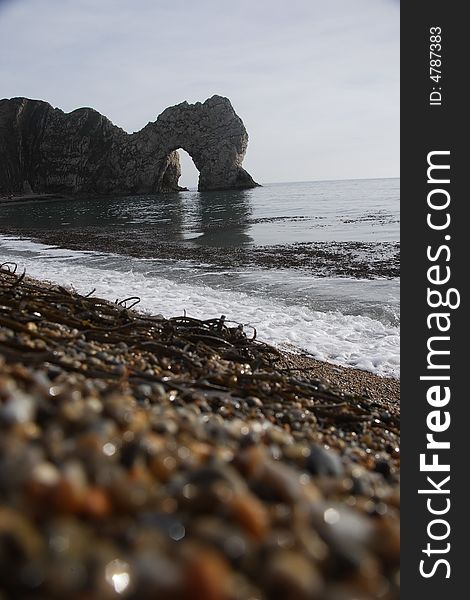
(337, 179)
(265, 183)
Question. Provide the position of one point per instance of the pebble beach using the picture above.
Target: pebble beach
(144, 457)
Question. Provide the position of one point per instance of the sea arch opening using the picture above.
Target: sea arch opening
(189, 177)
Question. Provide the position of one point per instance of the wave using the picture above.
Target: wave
(351, 340)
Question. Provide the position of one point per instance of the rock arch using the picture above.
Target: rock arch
(83, 152)
(213, 135)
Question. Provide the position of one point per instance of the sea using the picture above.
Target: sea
(312, 266)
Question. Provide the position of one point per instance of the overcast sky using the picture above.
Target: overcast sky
(316, 82)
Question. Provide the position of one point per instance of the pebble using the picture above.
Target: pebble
(324, 462)
(290, 575)
(19, 408)
(250, 513)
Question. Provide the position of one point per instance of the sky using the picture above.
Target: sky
(316, 82)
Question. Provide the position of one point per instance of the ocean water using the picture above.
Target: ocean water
(311, 265)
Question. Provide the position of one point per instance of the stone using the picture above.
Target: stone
(324, 462)
(290, 575)
(208, 577)
(44, 150)
(250, 513)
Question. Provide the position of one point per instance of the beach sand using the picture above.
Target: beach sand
(144, 457)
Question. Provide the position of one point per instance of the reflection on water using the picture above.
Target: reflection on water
(358, 210)
(164, 212)
(223, 218)
(206, 218)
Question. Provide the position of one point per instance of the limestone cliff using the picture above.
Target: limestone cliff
(43, 149)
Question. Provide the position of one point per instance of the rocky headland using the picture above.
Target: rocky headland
(44, 150)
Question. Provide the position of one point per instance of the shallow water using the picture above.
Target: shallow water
(281, 213)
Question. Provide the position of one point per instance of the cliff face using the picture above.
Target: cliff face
(43, 149)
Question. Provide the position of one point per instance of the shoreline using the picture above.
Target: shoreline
(206, 285)
(344, 378)
(349, 380)
(26, 198)
(187, 450)
(357, 260)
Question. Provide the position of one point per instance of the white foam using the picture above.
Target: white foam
(355, 341)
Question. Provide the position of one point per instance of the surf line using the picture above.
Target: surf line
(441, 299)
